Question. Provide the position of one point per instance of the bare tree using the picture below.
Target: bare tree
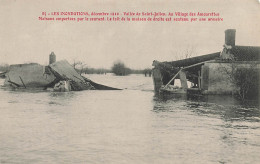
(187, 52)
(244, 78)
(76, 63)
(79, 66)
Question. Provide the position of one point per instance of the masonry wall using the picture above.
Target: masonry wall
(157, 79)
(216, 77)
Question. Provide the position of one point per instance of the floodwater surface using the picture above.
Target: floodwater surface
(128, 126)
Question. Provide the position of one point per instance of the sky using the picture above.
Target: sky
(23, 38)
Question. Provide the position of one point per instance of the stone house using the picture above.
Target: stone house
(215, 73)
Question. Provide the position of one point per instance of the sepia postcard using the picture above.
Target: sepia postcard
(133, 81)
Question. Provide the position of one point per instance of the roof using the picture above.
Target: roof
(246, 53)
(194, 60)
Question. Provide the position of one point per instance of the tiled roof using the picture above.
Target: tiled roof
(246, 53)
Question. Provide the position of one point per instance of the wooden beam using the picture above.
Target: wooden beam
(195, 64)
(172, 79)
(13, 83)
(22, 82)
(199, 80)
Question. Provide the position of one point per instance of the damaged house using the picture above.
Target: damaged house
(59, 76)
(234, 70)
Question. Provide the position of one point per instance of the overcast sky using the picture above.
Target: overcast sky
(23, 38)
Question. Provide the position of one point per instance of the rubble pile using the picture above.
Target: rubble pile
(59, 76)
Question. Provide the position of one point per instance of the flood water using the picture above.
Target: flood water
(128, 126)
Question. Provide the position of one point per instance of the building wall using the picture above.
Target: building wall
(32, 75)
(216, 77)
(157, 79)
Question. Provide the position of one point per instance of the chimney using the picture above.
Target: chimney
(230, 37)
(52, 58)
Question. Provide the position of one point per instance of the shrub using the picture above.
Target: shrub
(120, 69)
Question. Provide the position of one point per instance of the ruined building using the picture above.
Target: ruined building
(59, 76)
(233, 70)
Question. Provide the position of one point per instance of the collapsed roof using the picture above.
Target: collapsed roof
(37, 76)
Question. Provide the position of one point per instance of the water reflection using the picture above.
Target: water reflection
(68, 96)
(221, 121)
(61, 98)
(237, 113)
(225, 107)
(224, 100)
(166, 103)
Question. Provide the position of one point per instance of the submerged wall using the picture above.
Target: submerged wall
(157, 79)
(217, 76)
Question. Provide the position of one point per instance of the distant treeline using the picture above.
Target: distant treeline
(94, 71)
(118, 69)
(120, 72)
